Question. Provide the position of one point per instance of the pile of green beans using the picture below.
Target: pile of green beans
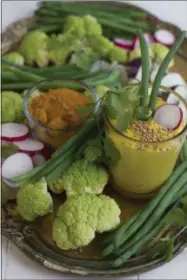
(140, 228)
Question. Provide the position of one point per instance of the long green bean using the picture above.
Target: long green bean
(163, 68)
(147, 211)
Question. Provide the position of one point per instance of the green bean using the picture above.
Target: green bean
(8, 76)
(184, 151)
(148, 210)
(145, 69)
(163, 68)
(117, 25)
(157, 214)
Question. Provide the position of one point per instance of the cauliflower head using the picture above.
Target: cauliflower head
(84, 58)
(136, 53)
(15, 58)
(117, 54)
(160, 52)
(81, 216)
(92, 27)
(33, 200)
(12, 104)
(34, 48)
(84, 177)
(56, 186)
(100, 44)
(75, 26)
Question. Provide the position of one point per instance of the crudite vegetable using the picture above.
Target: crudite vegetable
(82, 177)
(33, 200)
(14, 57)
(12, 104)
(80, 217)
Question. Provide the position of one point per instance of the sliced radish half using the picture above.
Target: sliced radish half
(169, 116)
(30, 146)
(14, 132)
(38, 160)
(136, 43)
(124, 43)
(164, 37)
(3, 142)
(47, 152)
(15, 165)
(172, 80)
(184, 111)
(182, 91)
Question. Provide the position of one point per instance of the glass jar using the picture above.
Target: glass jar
(55, 137)
(143, 167)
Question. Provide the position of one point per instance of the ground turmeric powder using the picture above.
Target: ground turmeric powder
(58, 108)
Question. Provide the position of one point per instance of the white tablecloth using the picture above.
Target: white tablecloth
(15, 265)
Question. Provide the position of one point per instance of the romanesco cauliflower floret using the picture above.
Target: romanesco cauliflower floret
(117, 54)
(83, 59)
(160, 52)
(34, 48)
(56, 186)
(92, 26)
(75, 26)
(84, 177)
(33, 200)
(80, 217)
(12, 104)
(100, 44)
(15, 58)
(136, 53)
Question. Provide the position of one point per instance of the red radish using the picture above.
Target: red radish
(3, 142)
(38, 160)
(47, 152)
(164, 37)
(124, 43)
(184, 111)
(172, 80)
(15, 165)
(30, 146)
(182, 91)
(136, 43)
(169, 116)
(11, 132)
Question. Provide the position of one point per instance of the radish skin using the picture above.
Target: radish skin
(14, 132)
(164, 37)
(30, 146)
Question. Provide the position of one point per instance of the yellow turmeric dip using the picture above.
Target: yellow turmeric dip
(148, 152)
(57, 111)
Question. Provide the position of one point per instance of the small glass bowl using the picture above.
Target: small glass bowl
(55, 137)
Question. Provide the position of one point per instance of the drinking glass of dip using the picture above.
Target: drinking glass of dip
(148, 151)
(50, 131)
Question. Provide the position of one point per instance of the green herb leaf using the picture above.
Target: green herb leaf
(170, 249)
(8, 150)
(176, 217)
(124, 119)
(92, 153)
(110, 150)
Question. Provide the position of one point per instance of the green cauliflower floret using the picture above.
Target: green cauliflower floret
(56, 186)
(15, 58)
(160, 52)
(33, 200)
(61, 47)
(84, 177)
(84, 58)
(34, 48)
(92, 26)
(100, 44)
(80, 217)
(12, 107)
(117, 54)
(75, 26)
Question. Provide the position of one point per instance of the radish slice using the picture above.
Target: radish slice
(182, 91)
(164, 37)
(14, 132)
(124, 43)
(184, 111)
(38, 160)
(30, 146)
(172, 80)
(15, 165)
(136, 43)
(3, 142)
(9, 184)
(47, 152)
(169, 116)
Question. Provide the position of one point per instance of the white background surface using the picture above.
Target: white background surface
(15, 265)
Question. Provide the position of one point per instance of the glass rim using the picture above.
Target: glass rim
(36, 86)
(154, 142)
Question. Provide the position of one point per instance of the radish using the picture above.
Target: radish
(169, 116)
(16, 165)
(9, 184)
(124, 43)
(184, 111)
(38, 160)
(14, 132)
(181, 90)
(47, 152)
(172, 80)
(30, 146)
(164, 37)
(3, 142)
(136, 43)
